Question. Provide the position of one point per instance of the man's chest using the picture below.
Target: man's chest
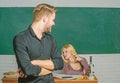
(39, 49)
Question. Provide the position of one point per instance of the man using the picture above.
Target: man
(36, 50)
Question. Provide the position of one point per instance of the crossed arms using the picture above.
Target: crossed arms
(30, 66)
(47, 67)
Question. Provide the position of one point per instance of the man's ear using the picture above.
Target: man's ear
(45, 19)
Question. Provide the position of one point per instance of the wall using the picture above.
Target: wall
(106, 66)
(61, 3)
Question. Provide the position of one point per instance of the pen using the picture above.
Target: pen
(67, 77)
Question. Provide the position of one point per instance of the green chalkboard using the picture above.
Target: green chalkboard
(90, 30)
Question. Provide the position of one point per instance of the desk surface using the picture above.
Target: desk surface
(75, 81)
(15, 80)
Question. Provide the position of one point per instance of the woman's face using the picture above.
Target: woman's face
(66, 53)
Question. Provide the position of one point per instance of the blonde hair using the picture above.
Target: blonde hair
(71, 49)
(43, 10)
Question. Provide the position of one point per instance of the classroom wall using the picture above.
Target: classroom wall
(61, 3)
(89, 30)
(106, 65)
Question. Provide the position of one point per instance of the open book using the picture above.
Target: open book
(60, 74)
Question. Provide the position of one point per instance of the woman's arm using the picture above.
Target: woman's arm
(85, 65)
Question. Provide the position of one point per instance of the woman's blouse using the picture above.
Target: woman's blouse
(69, 70)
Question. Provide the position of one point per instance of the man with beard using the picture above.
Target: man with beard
(36, 50)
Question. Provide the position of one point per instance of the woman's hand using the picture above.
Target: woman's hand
(78, 58)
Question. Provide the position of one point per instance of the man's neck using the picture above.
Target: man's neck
(37, 30)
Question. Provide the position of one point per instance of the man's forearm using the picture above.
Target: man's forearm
(43, 72)
(47, 64)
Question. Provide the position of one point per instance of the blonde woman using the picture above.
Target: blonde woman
(73, 64)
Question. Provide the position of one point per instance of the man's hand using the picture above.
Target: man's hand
(44, 72)
(21, 74)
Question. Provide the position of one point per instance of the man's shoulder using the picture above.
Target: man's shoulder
(21, 34)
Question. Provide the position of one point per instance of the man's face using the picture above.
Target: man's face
(50, 23)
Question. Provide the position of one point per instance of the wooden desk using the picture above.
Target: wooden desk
(9, 80)
(75, 81)
(15, 80)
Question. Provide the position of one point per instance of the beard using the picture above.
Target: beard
(48, 29)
